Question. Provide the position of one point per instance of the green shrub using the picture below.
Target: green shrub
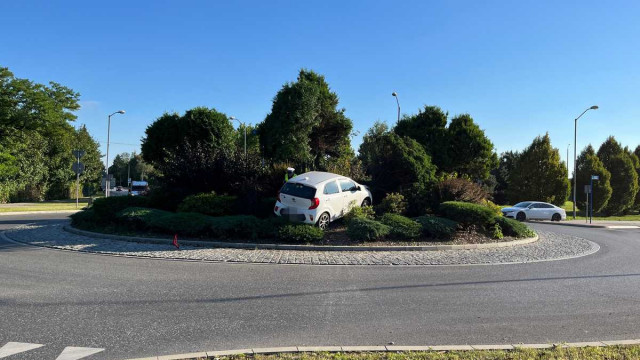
(84, 219)
(361, 229)
(139, 217)
(496, 232)
(106, 208)
(365, 212)
(467, 213)
(437, 227)
(240, 226)
(209, 204)
(393, 203)
(166, 198)
(513, 228)
(186, 224)
(497, 209)
(300, 234)
(265, 207)
(460, 189)
(401, 227)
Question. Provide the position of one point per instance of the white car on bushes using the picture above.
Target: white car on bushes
(320, 198)
(535, 210)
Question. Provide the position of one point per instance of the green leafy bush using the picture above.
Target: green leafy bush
(496, 232)
(139, 217)
(467, 213)
(84, 219)
(166, 198)
(106, 208)
(209, 204)
(361, 229)
(393, 203)
(460, 189)
(300, 233)
(265, 207)
(513, 228)
(187, 224)
(437, 227)
(497, 209)
(401, 227)
(365, 212)
(240, 226)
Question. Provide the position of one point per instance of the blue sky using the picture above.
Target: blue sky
(520, 68)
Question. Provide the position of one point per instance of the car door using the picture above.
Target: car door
(548, 211)
(349, 194)
(536, 212)
(333, 197)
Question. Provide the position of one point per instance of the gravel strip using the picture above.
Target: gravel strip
(551, 246)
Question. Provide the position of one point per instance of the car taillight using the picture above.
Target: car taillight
(279, 197)
(315, 202)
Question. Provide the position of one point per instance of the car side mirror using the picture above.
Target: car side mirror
(359, 188)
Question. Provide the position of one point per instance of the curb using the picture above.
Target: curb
(592, 226)
(389, 348)
(255, 246)
(39, 212)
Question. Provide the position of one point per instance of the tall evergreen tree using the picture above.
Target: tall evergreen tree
(624, 178)
(305, 127)
(589, 164)
(538, 174)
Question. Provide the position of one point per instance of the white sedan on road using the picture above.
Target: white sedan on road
(535, 210)
(320, 198)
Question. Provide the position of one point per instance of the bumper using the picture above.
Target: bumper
(295, 214)
(509, 215)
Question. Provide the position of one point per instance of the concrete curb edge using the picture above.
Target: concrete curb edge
(388, 348)
(255, 246)
(590, 226)
(13, 213)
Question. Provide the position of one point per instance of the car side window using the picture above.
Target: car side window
(331, 188)
(546, 206)
(347, 185)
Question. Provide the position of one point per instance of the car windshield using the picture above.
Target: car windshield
(522, 204)
(298, 190)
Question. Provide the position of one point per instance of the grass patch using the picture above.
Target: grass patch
(585, 353)
(43, 206)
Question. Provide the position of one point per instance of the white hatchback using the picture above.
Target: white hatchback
(320, 198)
(535, 210)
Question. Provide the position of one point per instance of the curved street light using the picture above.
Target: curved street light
(575, 148)
(395, 95)
(107, 182)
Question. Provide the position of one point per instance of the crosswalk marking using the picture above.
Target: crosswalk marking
(75, 353)
(12, 348)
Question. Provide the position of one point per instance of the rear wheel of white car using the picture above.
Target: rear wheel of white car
(323, 221)
(556, 217)
(521, 216)
(366, 202)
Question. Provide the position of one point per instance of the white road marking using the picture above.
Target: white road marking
(74, 353)
(12, 348)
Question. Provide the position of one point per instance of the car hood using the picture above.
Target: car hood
(510, 209)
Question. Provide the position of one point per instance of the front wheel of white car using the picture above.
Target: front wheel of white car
(366, 202)
(323, 221)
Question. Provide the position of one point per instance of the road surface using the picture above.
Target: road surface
(141, 307)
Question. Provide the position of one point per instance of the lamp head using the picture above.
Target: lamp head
(232, 118)
(120, 111)
(594, 107)
(394, 94)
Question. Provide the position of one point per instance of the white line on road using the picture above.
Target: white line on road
(74, 353)
(12, 348)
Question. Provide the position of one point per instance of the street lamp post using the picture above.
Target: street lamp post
(245, 134)
(575, 148)
(568, 146)
(395, 95)
(107, 182)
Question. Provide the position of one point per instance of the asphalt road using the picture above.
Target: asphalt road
(141, 307)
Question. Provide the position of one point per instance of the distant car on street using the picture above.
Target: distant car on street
(535, 210)
(139, 188)
(320, 198)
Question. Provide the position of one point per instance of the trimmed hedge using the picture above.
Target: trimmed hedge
(186, 224)
(300, 233)
(84, 218)
(467, 213)
(401, 227)
(513, 228)
(241, 226)
(437, 227)
(361, 229)
(106, 208)
(365, 212)
(209, 204)
(139, 217)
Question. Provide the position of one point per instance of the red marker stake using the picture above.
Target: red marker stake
(175, 241)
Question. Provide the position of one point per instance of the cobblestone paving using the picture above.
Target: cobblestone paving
(551, 246)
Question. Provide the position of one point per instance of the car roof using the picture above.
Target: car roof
(315, 177)
(538, 202)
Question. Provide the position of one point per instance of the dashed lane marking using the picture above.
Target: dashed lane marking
(75, 353)
(12, 348)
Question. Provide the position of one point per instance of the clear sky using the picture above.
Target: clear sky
(520, 68)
